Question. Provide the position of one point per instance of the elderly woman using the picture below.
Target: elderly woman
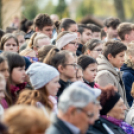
(112, 113)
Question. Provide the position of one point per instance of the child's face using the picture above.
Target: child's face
(118, 60)
(90, 72)
(18, 75)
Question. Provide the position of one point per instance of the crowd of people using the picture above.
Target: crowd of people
(61, 77)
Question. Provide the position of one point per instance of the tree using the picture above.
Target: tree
(120, 9)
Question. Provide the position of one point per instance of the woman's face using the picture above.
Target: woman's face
(18, 75)
(53, 86)
(71, 46)
(21, 40)
(118, 111)
(4, 69)
(90, 72)
(2, 89)
(95, 52)
(11, 45)
(69, 69)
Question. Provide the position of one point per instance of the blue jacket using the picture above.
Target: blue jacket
(128, 78)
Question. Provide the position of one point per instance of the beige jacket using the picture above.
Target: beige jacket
(107, 74)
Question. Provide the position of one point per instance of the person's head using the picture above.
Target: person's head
(79, 75)
(16, 67)
(93, 48)
(103, 34)
(110, 27)
(113, 105)
(43, 24)
(85, 33)
(126, 32)
(41, 75)
(2, 86)
(89, 66)
(9, 43)
(67, 41)
(66, 24)
(4, 68)
(76, 106)
(30, 54)
(1, 33)
(20, 36)
(67, 65)
(25, 25)
(114, 51)
(96, 31)
(41, 40)
(43, 51)
(25, 120)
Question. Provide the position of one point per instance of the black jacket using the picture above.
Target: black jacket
(79, 50)
(58, 127)
(63, 85)
(98, 128)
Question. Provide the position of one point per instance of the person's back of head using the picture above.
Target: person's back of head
(25, 114)
(65, 25)
(125, 30)
(1, 33)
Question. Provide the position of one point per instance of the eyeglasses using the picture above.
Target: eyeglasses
(74, 43)
(89, 115)
(32, 58)
(75, 65)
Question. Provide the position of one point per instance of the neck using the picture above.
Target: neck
(79, 41)
(126, 42)
(109, 38)
(64, 78)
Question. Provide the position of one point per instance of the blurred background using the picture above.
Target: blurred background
(82, 11)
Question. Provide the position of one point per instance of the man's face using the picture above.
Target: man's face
(47, 30)
(86, 35)
(112, 33)
(84, 117)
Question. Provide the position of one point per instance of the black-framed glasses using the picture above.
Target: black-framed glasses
(74, 43)
(89, 115)
(75, 65)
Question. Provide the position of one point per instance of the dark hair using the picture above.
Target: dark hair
(43, 51)
(113, 47)
(64, 23)
(85, 60)
(103, 34)
(1, 33)
(14, 60)
(54, 55)
(112, 22)
(91, 44)
(5, 38)
(123, 29)
(25, 24)
(94, 28)
(82, 27)
(10, 29)
(42, 20)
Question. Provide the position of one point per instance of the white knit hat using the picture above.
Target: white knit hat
(40, 74)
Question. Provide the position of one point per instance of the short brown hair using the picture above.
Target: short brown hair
(123, 29)
(42, 20)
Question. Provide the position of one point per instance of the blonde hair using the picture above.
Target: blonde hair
(18, 33)
(22, 119)
(130, 49)
(26, 51)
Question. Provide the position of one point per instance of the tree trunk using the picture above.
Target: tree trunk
(0, 13)
(120, 9)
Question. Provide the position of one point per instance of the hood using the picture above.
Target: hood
(104, 64)
(126, 68)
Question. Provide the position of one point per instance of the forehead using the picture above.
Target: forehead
(47, 27)
(87, 30)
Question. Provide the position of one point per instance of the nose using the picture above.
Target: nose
(125, 108)
(59, 85)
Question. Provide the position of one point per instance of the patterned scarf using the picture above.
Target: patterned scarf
(125, 126)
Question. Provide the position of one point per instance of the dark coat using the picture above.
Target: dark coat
(58, 127)
(63, 85)
(79, 50)
(98, 128)
(128, 78)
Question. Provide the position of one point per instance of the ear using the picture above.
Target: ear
(126, 37)
(60, 68)
(79, 35)
(37, 29)
(110, 57)
(88, 51)
(71, 110)
(105, 29)
(62, 29)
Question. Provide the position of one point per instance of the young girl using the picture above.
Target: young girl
(65, 62)
(89, 66)
(44, 79)
(9, 43)
(93, 48)
(17, 73)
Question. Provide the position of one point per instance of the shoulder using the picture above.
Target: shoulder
(53, 130)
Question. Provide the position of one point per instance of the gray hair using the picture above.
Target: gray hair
(75, 96)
